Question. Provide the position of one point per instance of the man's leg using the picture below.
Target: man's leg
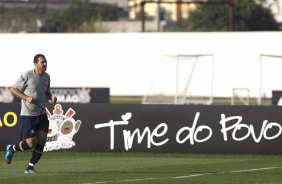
(28, 138)
(11, 149)
(37, 151)
(21, 146)
(42, 127)
(39, 147)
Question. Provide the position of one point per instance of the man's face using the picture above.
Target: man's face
(41, 64)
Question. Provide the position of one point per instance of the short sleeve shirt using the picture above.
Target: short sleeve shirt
(36, 86)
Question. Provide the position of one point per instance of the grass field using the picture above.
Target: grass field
(216, 100)
(137, 168)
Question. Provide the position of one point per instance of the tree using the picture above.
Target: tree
(81, 17)
(248, 15)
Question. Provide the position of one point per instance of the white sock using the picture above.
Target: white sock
(14, 147)
(30, 164)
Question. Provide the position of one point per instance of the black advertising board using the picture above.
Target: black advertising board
(82, 95)
(277, 98)
(155, 128)
(66, 95)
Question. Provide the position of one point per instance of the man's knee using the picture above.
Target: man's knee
(31, 142)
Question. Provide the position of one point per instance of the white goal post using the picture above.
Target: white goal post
(269, 66)
(182, 79)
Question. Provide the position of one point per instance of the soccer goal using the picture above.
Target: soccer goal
(240, 96)
(182, 79)
(270, 70)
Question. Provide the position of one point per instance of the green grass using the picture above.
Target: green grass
(137, 168)
(216, 100)
(126, 99)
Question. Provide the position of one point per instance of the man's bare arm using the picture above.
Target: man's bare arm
(21, 95)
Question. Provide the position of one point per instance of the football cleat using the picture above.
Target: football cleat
(9, 154)
(30, 170)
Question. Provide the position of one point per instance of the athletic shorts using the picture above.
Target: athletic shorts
(30, 124)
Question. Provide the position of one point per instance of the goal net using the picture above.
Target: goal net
(182, 79)
(240, 96)
(270, 67)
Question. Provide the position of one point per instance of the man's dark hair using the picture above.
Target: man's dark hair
(35, 59)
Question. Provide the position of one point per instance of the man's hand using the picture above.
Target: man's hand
(30, 99)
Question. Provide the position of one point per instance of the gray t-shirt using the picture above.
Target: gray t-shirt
(36, 86)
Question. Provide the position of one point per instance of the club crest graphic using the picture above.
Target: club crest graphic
(62, 128)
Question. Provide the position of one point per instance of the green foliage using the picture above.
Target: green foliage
(209, 18)
(248, 16)
(81, 16)
(11, 22)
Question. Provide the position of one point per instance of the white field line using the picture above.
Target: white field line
(187, 176)
(190, 176)
(259, 169)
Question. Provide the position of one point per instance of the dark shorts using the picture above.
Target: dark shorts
(30, 124)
